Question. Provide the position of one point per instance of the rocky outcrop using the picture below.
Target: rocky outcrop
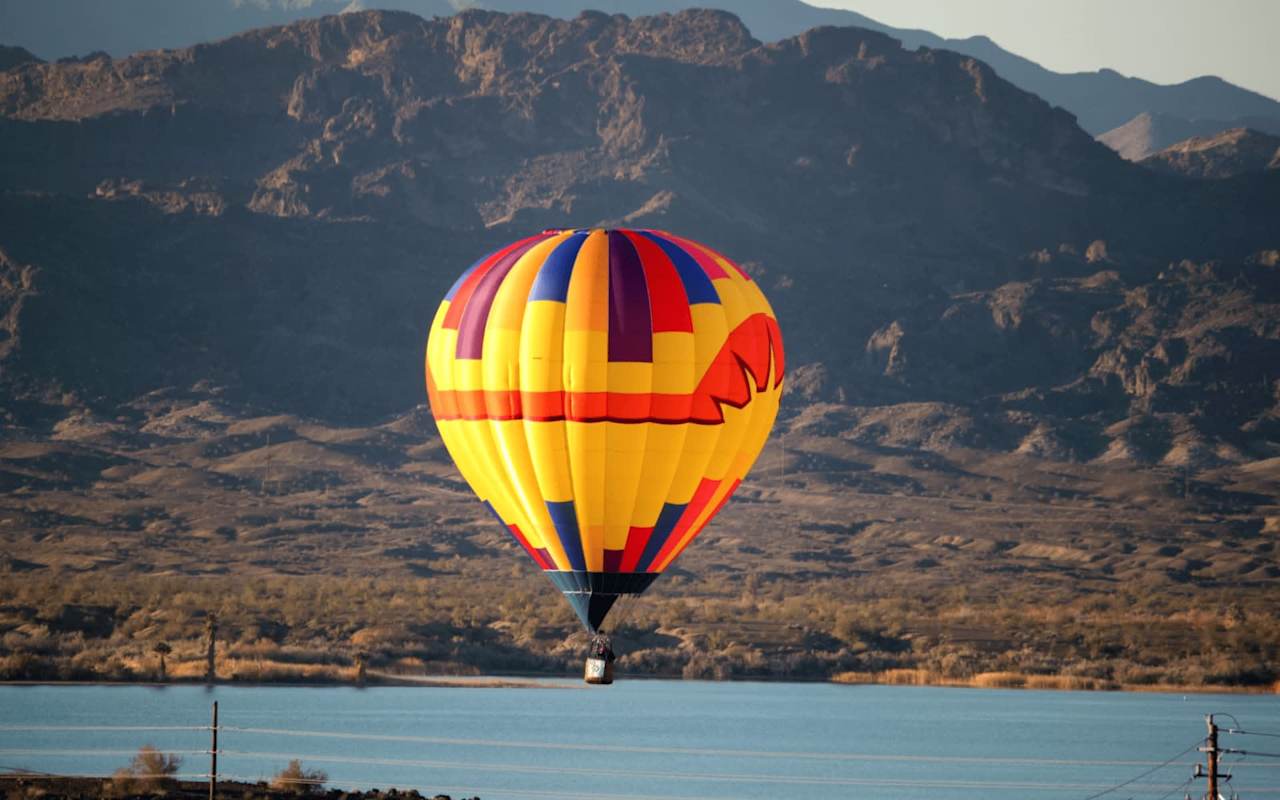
(1238, 151)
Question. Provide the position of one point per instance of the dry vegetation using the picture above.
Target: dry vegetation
(856, 554)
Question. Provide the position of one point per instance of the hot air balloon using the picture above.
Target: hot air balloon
(604, 392)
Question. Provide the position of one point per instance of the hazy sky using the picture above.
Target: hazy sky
(1166, 41)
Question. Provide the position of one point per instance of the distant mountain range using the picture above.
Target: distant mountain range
(277, 213)
(1101, 101)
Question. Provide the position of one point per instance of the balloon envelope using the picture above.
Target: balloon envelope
(604, 392)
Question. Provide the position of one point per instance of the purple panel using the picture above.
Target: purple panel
(630, 327)
(476, 315)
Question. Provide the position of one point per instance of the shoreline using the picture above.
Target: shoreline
(901, 677)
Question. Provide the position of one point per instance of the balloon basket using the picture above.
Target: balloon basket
(598, 671)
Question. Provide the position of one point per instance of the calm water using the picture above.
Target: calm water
(655, 739)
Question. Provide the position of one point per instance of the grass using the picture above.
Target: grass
(312, 629)
(838, 557)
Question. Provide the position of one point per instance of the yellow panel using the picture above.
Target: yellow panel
(664, 451)
(468, 374)
(709, 333)
(737, 421)
(508, 309)
(586, 361)
(625, 446)
(541, 370)
(510, 438)
(758, 303)
(482, 468)
(735, 303)
(764, 411)
(548, 448)
(630, 377)
(501, 363)
(542, 347)
(673, 363)
(441, 345)
(587, 458)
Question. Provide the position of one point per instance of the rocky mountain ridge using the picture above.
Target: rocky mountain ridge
(278, 213)
(1101, 99)
(1147, 133)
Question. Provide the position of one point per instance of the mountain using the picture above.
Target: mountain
(121, 27)
(1101, 100)
(1148, 133)
(277, 212)
(1235, 152)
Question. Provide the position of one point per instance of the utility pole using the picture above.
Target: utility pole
(213, 754)
(1211, 752)
(1212, 757)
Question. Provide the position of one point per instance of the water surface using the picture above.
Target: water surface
(655, 739)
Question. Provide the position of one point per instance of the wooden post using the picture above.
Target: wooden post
(1212, 757)
(213, 753)
(211, 648)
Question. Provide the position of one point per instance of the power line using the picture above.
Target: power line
(99, 728)
(723, 777)
(1142, 775)
(696, 751)
(1251, 733)
(87, 752)
(1175, 789)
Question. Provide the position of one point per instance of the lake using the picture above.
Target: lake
(657, 739)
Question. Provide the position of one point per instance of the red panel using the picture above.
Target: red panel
(637, 538)
(668, 304)
(539, 556)
(701, 496)
(712, 516)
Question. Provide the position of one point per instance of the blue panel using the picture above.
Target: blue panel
(566, 522)
(495, 515)
(661, 531)
(697, 285)
(552, 282)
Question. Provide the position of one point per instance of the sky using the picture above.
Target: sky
(1166, 41)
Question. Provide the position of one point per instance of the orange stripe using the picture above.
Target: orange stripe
(556, 406)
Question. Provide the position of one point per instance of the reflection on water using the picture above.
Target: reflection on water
(652, 739)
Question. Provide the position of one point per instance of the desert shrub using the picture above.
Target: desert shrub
(150, 771)
(1000, 680)
(294, 778)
